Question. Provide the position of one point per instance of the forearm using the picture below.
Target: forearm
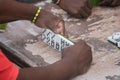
(62, 70)
(29, 1)
(11, 10)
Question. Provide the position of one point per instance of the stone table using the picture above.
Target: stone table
(22, 41)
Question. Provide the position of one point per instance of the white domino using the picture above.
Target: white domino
(115, 38)
(56, 41)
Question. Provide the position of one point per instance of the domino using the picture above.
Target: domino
(115, 38)
(56, 41)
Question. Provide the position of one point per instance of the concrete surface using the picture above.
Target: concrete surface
(25, 37)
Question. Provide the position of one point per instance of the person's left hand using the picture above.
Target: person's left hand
(49, 21)
(76, 8)
(111, 3)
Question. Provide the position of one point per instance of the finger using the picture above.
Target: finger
(83, 14)
(89, 5)
(79, 44)
(115, 3)
(75, 12)
(55, 25)
(66, 34)
(60, 28)
(58, 31)
(87, 10)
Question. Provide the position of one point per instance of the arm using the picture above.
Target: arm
(76, 60)
(57, 71)
(11, 10)
(29, 1)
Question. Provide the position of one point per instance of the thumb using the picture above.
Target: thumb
(60, 28)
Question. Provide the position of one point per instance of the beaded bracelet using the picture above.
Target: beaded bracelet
(56, 1)
(36, 15)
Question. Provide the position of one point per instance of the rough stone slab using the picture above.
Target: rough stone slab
(26, 39)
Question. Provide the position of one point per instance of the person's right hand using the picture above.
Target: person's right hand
(80, 55)
(76, 8)
(111, 3)
(49, 21)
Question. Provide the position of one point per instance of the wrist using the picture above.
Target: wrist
(36, 15)
(30, 12)
(72, 66)
(66, 69)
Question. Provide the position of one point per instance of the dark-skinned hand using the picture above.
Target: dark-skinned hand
(49, 21)
(80, 55)
(76, 8)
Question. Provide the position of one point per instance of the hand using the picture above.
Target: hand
(111, 3)
(49, 21)
(76, 8)
(80, 55)
(75, 60)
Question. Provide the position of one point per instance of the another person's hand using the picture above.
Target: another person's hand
(49, 21)
(111, 3)
(76, 8)
(80, 55)
(75, 60)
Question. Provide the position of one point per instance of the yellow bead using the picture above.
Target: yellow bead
(36, 15)
(35, 18)
(39, 10)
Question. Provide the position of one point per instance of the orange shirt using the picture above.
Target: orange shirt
(8, 71)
